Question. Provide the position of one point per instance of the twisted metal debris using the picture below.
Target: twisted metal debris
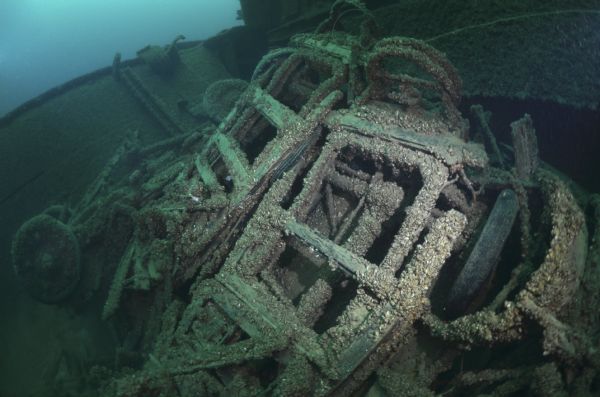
(307, 245)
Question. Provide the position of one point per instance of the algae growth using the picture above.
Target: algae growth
(337, 225)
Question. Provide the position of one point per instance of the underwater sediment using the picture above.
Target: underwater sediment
(334, 222)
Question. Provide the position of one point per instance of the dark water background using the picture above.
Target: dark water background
(47, 42)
